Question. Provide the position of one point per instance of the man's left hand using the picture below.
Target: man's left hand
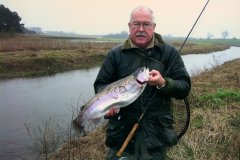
(155, 78)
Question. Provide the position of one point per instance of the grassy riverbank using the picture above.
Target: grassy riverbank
(215, 123)
(28, 56)
(214, 128)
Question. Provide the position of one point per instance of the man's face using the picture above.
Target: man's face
(141, 28)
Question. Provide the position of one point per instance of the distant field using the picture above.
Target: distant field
(179, 41)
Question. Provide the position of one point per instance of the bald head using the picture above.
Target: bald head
(142, 9)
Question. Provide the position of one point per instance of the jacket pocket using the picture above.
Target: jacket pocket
(117, 131)
(159, 133)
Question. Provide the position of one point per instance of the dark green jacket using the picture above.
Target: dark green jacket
(122, 61)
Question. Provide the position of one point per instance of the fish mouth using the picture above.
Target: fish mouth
(143, 76)
(140, 82)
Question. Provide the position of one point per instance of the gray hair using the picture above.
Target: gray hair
(142, 8)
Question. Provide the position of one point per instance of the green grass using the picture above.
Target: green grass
(235, 122)
(221, 97)
(197, 122)
(230, 42)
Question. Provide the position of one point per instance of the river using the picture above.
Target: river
(26, 100)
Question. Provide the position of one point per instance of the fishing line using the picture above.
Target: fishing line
(179, 51)
(186, 99)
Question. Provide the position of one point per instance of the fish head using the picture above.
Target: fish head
(142, 75)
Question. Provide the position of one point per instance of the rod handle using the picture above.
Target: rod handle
(127, 140)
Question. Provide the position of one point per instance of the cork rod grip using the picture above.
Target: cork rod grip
(127, 140)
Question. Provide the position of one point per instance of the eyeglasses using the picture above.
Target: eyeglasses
(145, 25)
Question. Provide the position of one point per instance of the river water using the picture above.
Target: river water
(25, 100)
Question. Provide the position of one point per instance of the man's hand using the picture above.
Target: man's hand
(112, 111)
(155, 78)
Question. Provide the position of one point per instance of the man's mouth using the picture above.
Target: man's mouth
(140, 36)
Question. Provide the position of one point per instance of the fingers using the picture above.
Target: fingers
(153, 72)
(155, 78)
(112, 111)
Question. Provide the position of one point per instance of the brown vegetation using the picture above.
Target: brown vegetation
(22, 56)
(214, 128)
(191, 48)
(90, 147)
(29, 43)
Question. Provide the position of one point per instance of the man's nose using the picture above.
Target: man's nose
(141, 28)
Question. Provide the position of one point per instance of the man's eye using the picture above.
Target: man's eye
(136, 24)
(146, 24)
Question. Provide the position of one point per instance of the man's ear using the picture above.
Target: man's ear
(154, 25)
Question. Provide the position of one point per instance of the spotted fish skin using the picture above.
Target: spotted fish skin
(117, 94)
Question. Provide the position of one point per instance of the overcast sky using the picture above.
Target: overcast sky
(173, 17)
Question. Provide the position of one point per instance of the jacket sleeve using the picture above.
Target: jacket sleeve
(178, 83)
(106, 74)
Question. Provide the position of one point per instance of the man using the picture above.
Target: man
(144, 47)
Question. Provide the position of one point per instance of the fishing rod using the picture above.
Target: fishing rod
(136, 125)
(179, 51)
(186, 99)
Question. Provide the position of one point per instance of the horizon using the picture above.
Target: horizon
(107, 17)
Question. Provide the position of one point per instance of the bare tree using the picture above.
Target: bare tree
(209, 35)
(225, 34)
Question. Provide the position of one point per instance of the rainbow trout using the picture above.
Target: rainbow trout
(117, 94)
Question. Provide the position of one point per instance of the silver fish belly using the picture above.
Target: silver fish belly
(117, 94)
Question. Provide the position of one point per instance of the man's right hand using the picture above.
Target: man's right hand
(112, 111)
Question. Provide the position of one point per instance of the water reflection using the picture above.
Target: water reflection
(23, 99)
